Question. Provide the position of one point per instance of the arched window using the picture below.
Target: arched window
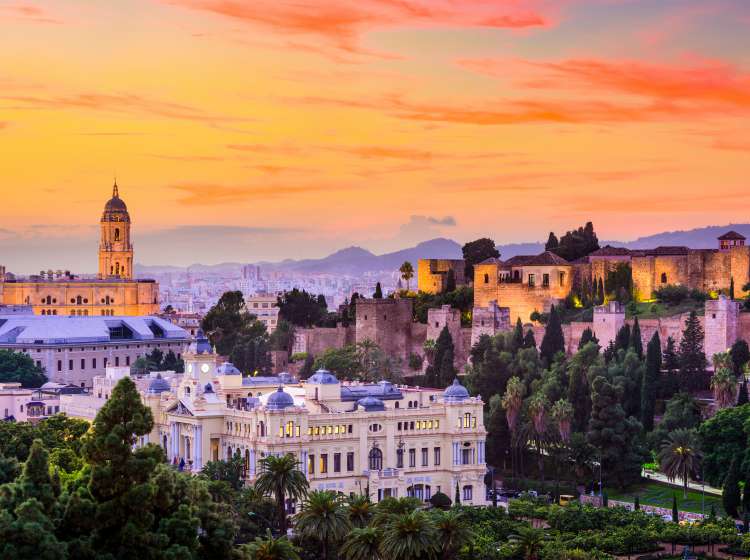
(79, 300)
(486, 278)
(396, 405)
(376, 459)
(117, 234)
(663, 277)
(164, 442)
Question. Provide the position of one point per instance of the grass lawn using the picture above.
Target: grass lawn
(655, 309)
(655, 494)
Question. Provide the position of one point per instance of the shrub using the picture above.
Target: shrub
(415, 361)
(440, 501)
(298, 357)
(672, 294)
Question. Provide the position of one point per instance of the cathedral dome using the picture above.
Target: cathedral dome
(322, 377)
(371, 404)
(158, 385)
(115, 210)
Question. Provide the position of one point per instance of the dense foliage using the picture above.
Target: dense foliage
(19, 367)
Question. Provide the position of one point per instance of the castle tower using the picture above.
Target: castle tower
(115, 248)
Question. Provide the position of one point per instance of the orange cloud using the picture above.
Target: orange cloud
(27, 13)
(342, 22)
(119, 103)
(205, 194)
(382, 152)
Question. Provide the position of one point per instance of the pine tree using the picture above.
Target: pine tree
(600, 292)
(670, 358)
(529, 341)
(730, 494)
(457, 498)
(553, 341)
(636, 342)
(650, 382)
(378, 291)
(586, 337)
(518, 335)
(552, 242)
(692, 359)
(742, 395)
(740, 353)
(443, 370)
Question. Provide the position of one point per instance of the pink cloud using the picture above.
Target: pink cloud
(28, 13)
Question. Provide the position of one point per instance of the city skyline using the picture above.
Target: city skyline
(291, 130)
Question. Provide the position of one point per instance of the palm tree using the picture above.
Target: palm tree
(407, 273)
(359, 510)
(363, 543)
(529, 541)
(724, 386)
(429, 347)
(410, 535)
(512, 401)
(562, 414)
(453, 532)
(269, 548)
(538, 413)
(323, 518)
(679, 456)
(388, 508)
(280, 477)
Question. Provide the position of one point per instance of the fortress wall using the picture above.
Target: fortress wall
(739, 265)
(643, 277)
(485, 292)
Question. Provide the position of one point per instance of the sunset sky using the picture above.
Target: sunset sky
(270, 129)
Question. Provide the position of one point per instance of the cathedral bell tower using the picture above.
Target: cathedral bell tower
(115, 248)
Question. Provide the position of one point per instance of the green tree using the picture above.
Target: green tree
(453, 532)
(553, 341)
(344, 362)
(301, 308)
(475, 252)
(586, 337)
(518, 335)
(280, 478)
(650, 383)
(18, 367)
(378, 294)
(229, 471)
(742, 397)
(692, 358)
(409, 536)
(613, 434)
(579, 392)
(562, 414)
(407, 273)
(679, 456)
(359, 510)
(675, 511)
(740, 356)
(528, 542)
(444, 371)
(250, 351)
(225, 321)
(528, 340)
(282, 337)
(324, 519)
(269, 548)
(671, 359)
(730, 494)
(622, 339)
(723, 437)
(552, 242)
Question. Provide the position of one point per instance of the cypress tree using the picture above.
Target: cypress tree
(552, 242)
(457, 500)
(740, 353)
(635, 339)
(637, 504)
(529, 341)
(650, 382)
(553, 341)
(378, 291)
(675, 511)
(742, 395)
(692, 359)
(518, 335)
(444, 372)
(622, 340)
(586, 337)
(730, 495)
(671, 359)
(600, 292)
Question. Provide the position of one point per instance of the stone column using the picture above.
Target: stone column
(252, 462)
(198, 446)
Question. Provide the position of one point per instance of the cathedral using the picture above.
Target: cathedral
(114, 291)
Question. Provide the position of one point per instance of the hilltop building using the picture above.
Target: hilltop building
(432, 274)
(113, 292)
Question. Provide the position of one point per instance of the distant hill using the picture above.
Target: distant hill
(355, 261)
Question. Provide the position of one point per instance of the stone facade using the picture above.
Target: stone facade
(432, 274)
(489, 320)
(387, 322)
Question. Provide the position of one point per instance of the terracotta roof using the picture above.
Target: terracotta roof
(547, 258)
(609, 251)
(518, 260)
(731, 235)
(491, 260)
(668, 250)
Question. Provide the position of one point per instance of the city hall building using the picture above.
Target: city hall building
(351, 438)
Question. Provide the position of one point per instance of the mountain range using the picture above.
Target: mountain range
(355, 261)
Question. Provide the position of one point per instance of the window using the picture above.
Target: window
(59, 365)
(545, 280)
(532, 281)
(436, 458)
(412, 458)
(350, 461)
(468, 493)
(425, 452)
(486, 278)
(311, 464)
(337, 462)
(83, 363)
(396, 405)
(93, 363)
(70, 365)
(399, 458)
(467, 420)
(375, 459)
(324, 463)
(117, 361)
(466, 456)
(399, 424)
(127, 360)
(663, 277)
(562, 278)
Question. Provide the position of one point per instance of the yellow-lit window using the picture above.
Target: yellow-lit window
(473, 421)
(309, 431)
(429, 424)
(467, 420)
(330, 430)
(281, 431)
(297, 431)
(289, 428)
(317, 430)
(342, 429)
(437, 424)
(336, 430)
(460, 423)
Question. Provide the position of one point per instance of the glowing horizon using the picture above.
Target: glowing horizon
(269, 129)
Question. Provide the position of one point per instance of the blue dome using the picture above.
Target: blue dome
(455, 392)
(322, 377)
(371, 404)
(208, 388)
(158, 385)
(227, 369)
(202, 345)
(279, 400)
